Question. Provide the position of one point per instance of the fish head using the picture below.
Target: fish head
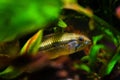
(83, 41)
(79, 42)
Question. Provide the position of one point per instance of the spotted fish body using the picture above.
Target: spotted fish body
(59, 44)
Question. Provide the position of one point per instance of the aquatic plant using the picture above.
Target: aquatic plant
(24, 17)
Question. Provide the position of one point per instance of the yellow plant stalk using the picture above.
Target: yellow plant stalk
(32, 45)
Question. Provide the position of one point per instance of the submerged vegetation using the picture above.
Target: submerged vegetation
(25, 24)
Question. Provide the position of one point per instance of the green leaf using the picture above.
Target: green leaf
(94, 51)
(113, 62)
(82, 67)
(10, 73)
(95, 48)
(85, 58)
(97, 38)
(62, 24)
(110, 33)
(19, 17)
(32, 45)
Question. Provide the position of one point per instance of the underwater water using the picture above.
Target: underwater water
(60, 40)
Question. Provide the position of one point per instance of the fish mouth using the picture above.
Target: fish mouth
(88, 42)
(85, 43)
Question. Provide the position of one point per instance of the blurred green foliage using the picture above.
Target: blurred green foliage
(18, 18)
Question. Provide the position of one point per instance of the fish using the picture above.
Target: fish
(60, 44)
(52, 46)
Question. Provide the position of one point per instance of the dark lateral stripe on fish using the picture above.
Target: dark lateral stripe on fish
(53, 45)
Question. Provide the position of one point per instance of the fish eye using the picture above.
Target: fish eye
(81, 39)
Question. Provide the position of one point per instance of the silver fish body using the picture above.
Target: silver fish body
(59, 44)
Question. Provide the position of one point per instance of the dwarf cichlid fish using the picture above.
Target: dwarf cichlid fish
(60, 44)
